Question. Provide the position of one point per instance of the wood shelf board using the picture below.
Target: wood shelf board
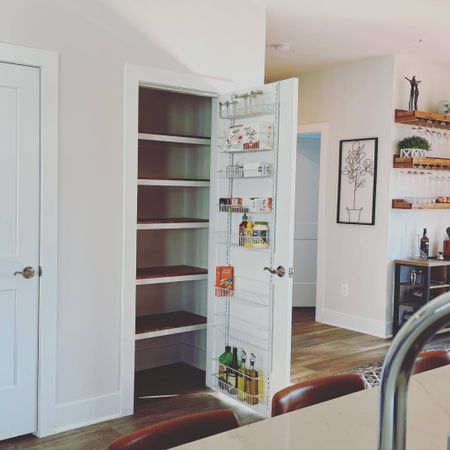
(169, 274)
(402, 204)
(175, 139)
(168, 271)
(180, 182)
(164, 324)
(422, 262)
(171, 224)
(171, 220)
(416, 117)
(410, 163)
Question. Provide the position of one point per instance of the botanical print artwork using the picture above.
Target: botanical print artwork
(357, 181)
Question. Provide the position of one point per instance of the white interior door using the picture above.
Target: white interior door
(19, 248)
(255, 314)
(306, 214)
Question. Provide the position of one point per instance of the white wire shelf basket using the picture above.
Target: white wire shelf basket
(244, 325)
(248, 389)
(243, 209)
(242, 296)
(250, 342)
(260, 243)
(257, 142)
(238, 110)
(260, 170)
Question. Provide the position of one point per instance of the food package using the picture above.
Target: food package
(250, 136)
(224, 281)
(257, 169)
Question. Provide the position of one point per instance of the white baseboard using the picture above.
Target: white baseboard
(356, 323)
(69, 416)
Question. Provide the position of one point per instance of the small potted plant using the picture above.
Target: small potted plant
(414, 147)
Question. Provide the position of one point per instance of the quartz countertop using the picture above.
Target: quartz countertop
(347, 423)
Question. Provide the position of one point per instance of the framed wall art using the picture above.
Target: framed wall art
(357, 181)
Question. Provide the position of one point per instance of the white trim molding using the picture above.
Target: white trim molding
(322, 129)
(86, 412)
(47, 63)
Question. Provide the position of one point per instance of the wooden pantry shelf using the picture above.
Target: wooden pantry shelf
(169, 274)
(422, 118)
(174, 139)
(157, 325)
(403, 204)
(428, 162)
(171, 223)
(173, 182)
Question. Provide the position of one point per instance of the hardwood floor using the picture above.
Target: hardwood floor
(317, 349)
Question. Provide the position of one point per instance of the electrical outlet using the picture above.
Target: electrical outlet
(344, 290)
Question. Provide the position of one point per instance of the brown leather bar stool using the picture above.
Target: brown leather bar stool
(314, 391)
(431, 360)
(178, 431)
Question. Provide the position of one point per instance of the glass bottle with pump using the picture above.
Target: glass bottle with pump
(253, 382)
(241, 381)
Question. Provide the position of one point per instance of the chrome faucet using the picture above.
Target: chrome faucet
(397, 368)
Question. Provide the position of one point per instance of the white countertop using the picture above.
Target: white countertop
(347, 423)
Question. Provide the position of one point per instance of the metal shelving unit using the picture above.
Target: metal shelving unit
(416, 283)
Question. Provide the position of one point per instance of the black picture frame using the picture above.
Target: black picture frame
(357, 167)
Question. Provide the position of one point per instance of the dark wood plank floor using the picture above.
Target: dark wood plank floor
(317, 349)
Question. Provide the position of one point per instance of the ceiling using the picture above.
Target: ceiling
(324, 32)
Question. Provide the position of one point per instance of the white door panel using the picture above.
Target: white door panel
(256, 316)
(19, 247)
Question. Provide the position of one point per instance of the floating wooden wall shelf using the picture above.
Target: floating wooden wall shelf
(427, 162)
(403, 204)
(422, 118)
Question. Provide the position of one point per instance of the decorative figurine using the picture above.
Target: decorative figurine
(414, 93)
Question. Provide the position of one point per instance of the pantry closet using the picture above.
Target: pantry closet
(199, 282)
(172, 222)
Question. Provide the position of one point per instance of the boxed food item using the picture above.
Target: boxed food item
(257, 169)
(258, 204)
(224, 281)
(250, 136)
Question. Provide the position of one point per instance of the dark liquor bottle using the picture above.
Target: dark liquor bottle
(232, 374)
(424, 245)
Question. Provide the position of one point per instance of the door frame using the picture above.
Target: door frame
(323, 129)
(135, 76)
(47, 63)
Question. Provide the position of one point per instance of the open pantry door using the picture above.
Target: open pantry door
(251, 243)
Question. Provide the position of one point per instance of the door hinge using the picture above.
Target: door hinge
(40, 271)
(291, 272)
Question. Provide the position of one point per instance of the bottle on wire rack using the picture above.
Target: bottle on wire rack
(241, 380)
(224, 361)
(252, 383)
(232, 373)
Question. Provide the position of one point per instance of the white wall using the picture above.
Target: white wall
(356, 99)
(94, 39)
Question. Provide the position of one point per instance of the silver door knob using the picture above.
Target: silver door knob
(27, 272)
(280, 271)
